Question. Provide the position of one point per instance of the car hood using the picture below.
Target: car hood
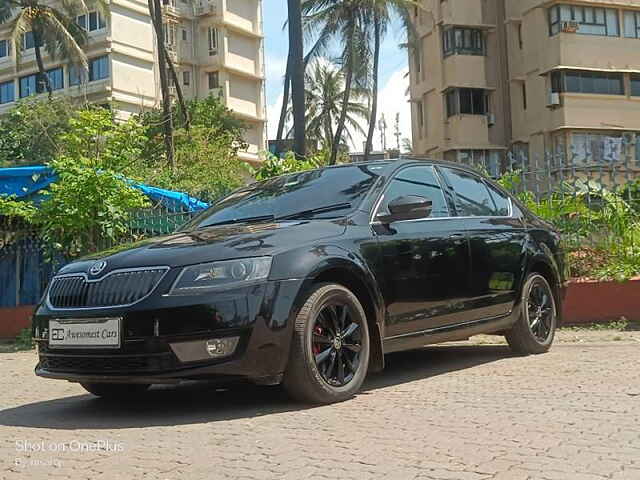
(212, 243)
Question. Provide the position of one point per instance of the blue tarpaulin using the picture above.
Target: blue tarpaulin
(26, 182)
(24, 267)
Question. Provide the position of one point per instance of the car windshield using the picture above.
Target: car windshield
(323, 193)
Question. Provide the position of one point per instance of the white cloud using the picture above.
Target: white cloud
(273, 116)
(392, 99)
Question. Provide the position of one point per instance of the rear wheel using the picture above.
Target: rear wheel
(535, 329)
(115, 390)
(330, 348)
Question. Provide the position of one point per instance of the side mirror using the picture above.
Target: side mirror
(410, 207)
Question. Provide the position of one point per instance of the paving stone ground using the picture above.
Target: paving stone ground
(461, 412)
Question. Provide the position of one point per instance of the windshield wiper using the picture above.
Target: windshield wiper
(313, 211)
(259, 218)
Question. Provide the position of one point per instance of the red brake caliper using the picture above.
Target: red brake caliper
(314, 346)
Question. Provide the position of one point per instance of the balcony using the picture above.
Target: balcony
(172, 52)
(465, 71)
(468, 12)
(206, 8)
(596, 111)
(467, 130)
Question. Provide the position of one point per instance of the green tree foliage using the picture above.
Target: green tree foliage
(31, 129)
(273, 166)
(205, 155)
(600, 228)
(90, 204)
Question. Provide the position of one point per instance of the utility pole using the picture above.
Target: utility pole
(397, 133)
(382, 126)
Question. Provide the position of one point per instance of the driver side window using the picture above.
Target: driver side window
(420, 181)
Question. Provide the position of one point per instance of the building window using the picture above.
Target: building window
(98, 68)
(28, 41)
(589, 148)
(212, 38)
(417, 61)
(34, 83)
(632, 24)
(524, 95)
(5, 48)
(583, 20)
(584, 81)
(170, 35)
(92, 21)
(473, 101)
(520, 42)
(214, 80)
(186, 78)
(56, 78)
(519, 156)
(558, 149)
(463, 41)
(486, 160)
(29, 85)
(7, 92)
(185, 35)
(638, 147)
(420, 117)
(635, 85)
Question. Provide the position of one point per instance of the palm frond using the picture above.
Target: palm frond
(21, 25)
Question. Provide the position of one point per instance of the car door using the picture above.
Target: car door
(426, 262)
(496, 240)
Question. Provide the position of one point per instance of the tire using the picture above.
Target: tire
(116, 391)
(324, 367)
(535, 329)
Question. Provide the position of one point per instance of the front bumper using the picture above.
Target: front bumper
(166, 345)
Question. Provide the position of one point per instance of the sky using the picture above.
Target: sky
(393, 79)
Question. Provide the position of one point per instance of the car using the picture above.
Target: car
(308, 280)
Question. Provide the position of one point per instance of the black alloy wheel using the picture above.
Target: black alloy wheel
(535, 327)
(540, 310)
(336, 343)
(330, 348)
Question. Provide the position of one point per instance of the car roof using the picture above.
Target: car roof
(394, 164)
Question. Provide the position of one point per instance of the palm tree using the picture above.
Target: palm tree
(325, 85)
(346, 21)
(380, 13)
(53, 28)
(295, 67)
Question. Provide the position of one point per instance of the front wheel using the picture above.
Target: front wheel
(535, 329)
(330, 347)
(116, 391)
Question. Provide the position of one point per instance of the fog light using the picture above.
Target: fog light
(222, 347)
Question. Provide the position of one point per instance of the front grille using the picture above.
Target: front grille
(116, 289)
(123, 364)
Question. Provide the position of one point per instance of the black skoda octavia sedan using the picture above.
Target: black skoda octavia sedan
(308, 280)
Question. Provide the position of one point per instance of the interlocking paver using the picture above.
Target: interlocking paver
(449, 412)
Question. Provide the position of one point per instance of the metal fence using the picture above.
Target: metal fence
(27, 263)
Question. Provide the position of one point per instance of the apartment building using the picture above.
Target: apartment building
(216, 46)
(527, 77)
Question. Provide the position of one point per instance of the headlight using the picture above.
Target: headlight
(207, 277)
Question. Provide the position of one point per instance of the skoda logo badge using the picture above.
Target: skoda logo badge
(97, 268)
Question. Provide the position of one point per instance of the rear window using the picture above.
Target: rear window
(472, 195)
